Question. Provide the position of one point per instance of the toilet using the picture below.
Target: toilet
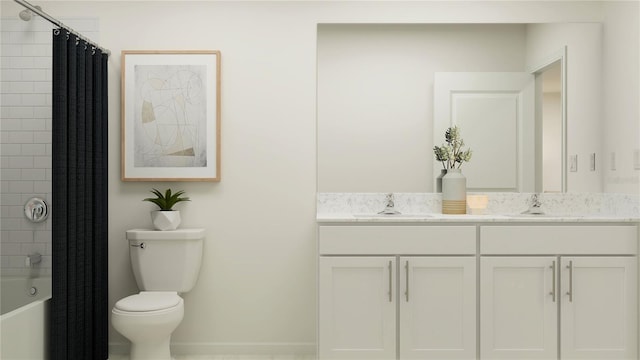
(165, 264)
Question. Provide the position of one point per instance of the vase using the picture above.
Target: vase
(165, 220)
(454, 192)
(443, 172)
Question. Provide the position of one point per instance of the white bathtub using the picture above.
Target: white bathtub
(24, 328)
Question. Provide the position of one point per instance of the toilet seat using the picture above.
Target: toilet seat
(148, 302)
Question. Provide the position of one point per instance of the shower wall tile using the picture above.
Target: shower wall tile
(25, 135)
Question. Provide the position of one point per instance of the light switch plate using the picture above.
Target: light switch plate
(592, 162)
(573, 163)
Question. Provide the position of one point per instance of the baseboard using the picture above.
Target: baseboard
(301, 349)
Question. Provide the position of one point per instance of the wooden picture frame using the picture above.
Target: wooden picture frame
(170, 121)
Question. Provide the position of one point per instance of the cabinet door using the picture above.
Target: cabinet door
(357, 308)
(518, 314)
(437, 307)
(599, 308)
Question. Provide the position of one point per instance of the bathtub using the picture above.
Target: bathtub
(24, 327)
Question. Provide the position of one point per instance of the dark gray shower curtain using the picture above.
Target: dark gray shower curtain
(79, 310)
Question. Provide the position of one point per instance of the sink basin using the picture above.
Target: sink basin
(392, 216)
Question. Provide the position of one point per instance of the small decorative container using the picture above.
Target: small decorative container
(165, 220)
(454, 192)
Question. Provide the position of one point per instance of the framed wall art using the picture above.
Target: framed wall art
(170, 127)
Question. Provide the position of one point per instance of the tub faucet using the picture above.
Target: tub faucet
(389, 208)
(535, 205)
(32, 259)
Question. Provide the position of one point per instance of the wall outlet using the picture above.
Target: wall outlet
(573, 163)
(592, 162)
(613, 161)
(636, 159)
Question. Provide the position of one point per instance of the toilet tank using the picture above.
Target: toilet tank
(166, 260)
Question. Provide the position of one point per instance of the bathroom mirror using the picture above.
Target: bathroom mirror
(375, 114)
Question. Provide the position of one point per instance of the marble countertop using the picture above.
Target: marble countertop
(500, 208)
(443, 218)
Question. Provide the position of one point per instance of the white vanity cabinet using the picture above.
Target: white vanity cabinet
(389, 292)
(567, 291)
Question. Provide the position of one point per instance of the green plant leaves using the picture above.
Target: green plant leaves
(167, 200)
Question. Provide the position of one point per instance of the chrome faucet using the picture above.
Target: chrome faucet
(389, 208)
(535, 205)
(32, 259)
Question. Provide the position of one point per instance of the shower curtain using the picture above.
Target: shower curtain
(79, 311)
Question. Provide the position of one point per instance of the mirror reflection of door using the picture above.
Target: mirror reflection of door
(551, 127)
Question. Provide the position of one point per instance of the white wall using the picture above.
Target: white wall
(257, 287)
(375, 97)
(584, 92)
(621, 120)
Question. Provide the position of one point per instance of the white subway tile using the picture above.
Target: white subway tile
(5, 87)
(42, 162)
(49, 245)
(4, 136)
(83, 25)
(35, 75)
(22, 87)
(10, 149)
(42, 236)
(16, 261)
(21, 37)
(10, 224)
(43, 37)
(36, 50)
(20, 62)
(42, 62)
(10, 75)
(43, 26)
(33, 124)
(10, 248)
(21, 137)
(4, 264)
(11, 174)
(21, 187)
(10, 199)
(48, 150)
(42, 186)
(10, 99)
(42, 112)
(16, 211)
(42, 87)
(33, 174)
(49, 174)
(20, 112)
(4, 210)
(4, 186)
(5, 37)
(34, 99)
(11, 49)
(9, 124)
(34, 149)
(20, 162)
(42, 137)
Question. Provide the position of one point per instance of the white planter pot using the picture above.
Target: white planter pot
(454, 192)
(165, 220)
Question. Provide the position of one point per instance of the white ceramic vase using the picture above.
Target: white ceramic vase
(454, 192)
(165, 220)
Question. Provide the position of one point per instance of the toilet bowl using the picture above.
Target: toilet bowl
(147, 320)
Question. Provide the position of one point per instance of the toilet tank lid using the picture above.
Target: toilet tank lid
(178, 234)
(149, 301)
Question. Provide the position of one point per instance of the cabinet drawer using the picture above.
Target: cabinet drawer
(380, 240)
(574, 240)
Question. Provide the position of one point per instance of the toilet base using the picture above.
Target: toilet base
(151, 351)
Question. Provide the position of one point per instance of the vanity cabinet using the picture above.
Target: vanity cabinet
(385, 295)
(561, 290)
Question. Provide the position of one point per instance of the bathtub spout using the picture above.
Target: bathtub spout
(32, 259)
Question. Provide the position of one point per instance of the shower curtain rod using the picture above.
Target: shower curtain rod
(59, 24)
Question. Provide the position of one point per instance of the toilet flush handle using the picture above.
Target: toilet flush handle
(141, 245)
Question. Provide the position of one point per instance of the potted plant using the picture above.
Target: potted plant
(453, 183)
(166, 218)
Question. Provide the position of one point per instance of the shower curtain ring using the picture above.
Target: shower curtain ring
(56, 32)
